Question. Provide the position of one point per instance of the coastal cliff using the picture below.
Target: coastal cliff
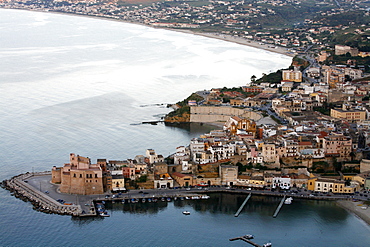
(183, 118)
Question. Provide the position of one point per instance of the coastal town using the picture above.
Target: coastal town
(306, 135)
(303, 130)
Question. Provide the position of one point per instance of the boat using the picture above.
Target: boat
(248, 236)
(149, 200)
(267, 245)
(288, 200)
(143, 200)
(168, 199)
(104, 214)
(186, 212)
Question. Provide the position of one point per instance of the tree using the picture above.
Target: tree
(253, 78)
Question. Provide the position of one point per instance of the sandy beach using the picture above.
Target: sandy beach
(356, 208)
(242, 41)
(225, 37)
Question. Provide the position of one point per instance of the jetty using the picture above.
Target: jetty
(279, 207)
(246, 238)
(20, 187)
(243, 204)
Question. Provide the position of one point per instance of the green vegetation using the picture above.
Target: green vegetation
(142, 179)
(274, 77)
(183, 107)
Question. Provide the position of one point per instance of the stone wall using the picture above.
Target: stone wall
(208, 114)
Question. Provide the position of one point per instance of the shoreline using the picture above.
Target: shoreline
(238, 40)
(224, 37)
(353, 208)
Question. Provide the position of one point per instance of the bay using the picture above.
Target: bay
(84, 85)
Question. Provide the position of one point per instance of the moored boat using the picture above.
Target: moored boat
(288, 200)
(186, 212)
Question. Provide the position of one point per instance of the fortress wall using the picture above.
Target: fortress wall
(206, 114)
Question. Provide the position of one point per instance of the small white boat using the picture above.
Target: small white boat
(248, 236)
(104, 214)
(267, 245)
(186, 212)
(288, 200)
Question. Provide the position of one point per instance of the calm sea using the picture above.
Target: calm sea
(84, 85)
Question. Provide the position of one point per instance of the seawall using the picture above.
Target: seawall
(41, 202)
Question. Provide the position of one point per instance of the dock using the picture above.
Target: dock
(279, 207)
(245, 239)
(243, 204)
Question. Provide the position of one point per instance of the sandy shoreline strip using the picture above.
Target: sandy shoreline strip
(224, 37)
(240, 41)
(356, 208)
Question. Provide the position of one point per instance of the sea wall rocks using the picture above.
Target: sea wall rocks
(40, 201)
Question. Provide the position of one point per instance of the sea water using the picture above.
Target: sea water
(85, 85)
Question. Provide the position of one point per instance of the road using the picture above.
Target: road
(43, 184)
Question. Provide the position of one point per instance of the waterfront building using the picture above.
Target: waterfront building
(335, 186)
(79, 176)
(184, 180)
(163, 181)
(243, 181)
(228, 174)
(118, 182)
(283, 182)
(257, 181)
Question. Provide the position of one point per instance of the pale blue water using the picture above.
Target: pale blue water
(75, 84)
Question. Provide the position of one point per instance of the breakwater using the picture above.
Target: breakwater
(19, 187)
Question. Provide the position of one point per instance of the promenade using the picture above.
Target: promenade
(45, 196)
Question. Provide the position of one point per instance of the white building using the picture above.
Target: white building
(281, 182)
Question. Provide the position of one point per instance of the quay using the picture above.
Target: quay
(45, 196)
(19, 186)
(279, 207)
(243, 204)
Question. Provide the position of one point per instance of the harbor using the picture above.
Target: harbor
(45, 196)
